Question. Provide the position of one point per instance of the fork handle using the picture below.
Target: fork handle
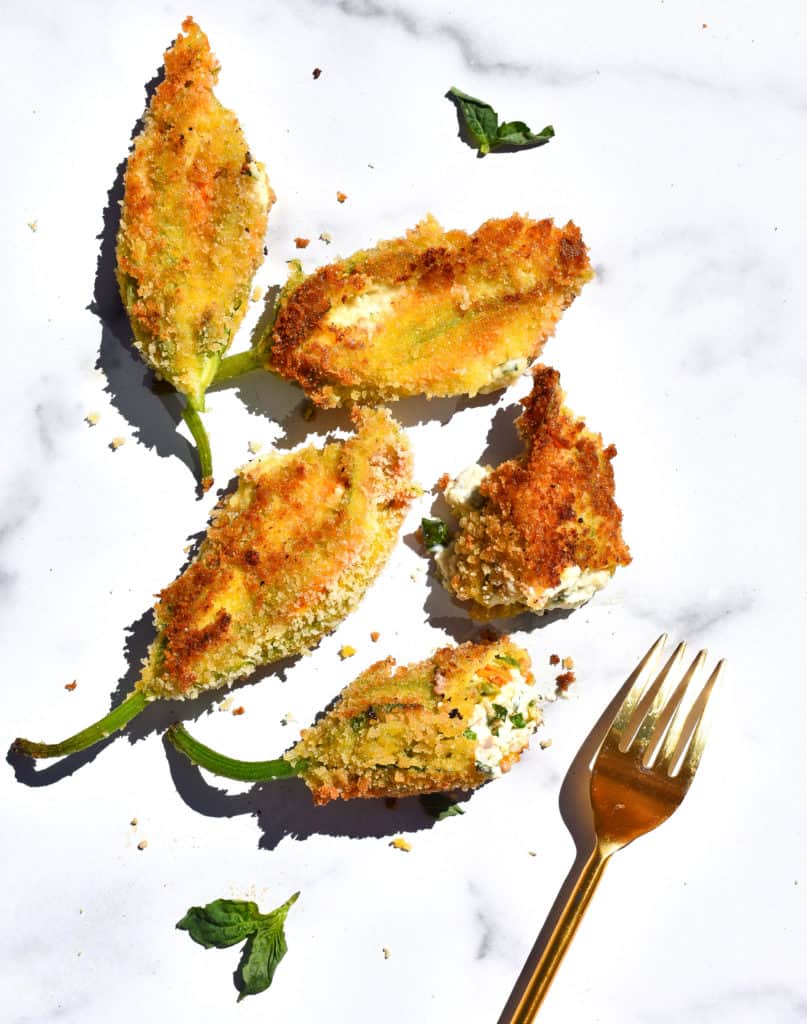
(562, 935)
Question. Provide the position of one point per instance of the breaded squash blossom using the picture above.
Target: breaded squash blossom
(542, 531)
(288, 555)
(455, 721)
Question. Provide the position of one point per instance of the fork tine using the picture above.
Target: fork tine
(659, 690)
(703, 709)
(637, 680)
(677, 701)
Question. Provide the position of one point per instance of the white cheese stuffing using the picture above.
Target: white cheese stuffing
(463, 489)
(511, 368)
(364, 310)
(497, 735)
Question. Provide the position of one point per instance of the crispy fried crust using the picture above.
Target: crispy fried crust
(544, 512)
(434, 313)
(192, 221)
(399, 732)
(287, 556)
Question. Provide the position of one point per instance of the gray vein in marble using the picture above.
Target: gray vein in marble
(485, 926)
(697, 618)
(779, 1003)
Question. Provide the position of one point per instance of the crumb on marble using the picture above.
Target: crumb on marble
(386, 953)
(92, 418)
(532, 853)
(288, 717)
(239, 710)
(133, 822)
(568, 663)
(255, 446)
(116, 443)
(340, 197)
(142, 844)
(545, 744)
(442, 483)
(565, 680)
(226, 704)
(401, 844)
(375, 636)
(316, 73)
(325, 236)
(33, 225)
(346, 651)
(302, 243)
(71, 686)
(257, 293)
(554, 659)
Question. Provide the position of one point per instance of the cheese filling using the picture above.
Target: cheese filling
(364, 310)
(503, 723)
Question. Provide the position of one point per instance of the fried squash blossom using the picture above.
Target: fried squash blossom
(193, 219)
(542, 531)
(435, 313)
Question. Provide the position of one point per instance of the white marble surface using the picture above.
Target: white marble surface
(680, 152)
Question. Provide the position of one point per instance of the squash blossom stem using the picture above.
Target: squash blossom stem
(236, 365)
(113, 722)
(191, 416)
(244, 771)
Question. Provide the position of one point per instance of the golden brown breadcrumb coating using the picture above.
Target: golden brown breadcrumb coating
(434, 313)
(287, 556)
(535, 520)
(192, 222)
(403, 731)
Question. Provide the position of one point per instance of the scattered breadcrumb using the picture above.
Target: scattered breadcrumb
(340, 197)
(142, 844)
(288, 717)
(257, 293)
(116, 443)
(346, 651)
(33, 224)
(92, 418)
(386, 953)
(71, 686)
(443, 482)
(187, 548)
(316, 73)
(325, 236)
(375, 635)
(704, 25)
(532, 853)
(554, 659)
(568, 662)
(302, 243)
(239, 710)
(226, 704)
(133, 822)
(255, 446)
(545, 744)
(565, 680)
(401, 844)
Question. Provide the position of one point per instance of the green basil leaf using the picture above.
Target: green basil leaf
(264, 951)
(481, 122)
(440, 805)
(499, 711)
(518, 720)
(221, 923)
(435, 533)
(449, 812)
(507, 660)
(469, 734)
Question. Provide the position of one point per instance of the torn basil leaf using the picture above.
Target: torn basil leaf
(481, 122)
(435, 533)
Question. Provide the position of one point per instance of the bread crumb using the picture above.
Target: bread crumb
(545, 744)
(288, 717)
(226, 704)
(92, 418)
(704, 25)
(187, 548)
(340, 197)
(33, 225)
(239, 710)
(257, 293)
(532, 853)
(255, 446)
(71, 686)
(443, 482)
(116, 443)
(325, 236)
(401, 844)
(386, 953)
(568, 662)
(565, 680)
(302, 243)
(346, 651)
(133, 822)
(375, 636)
(316, 73)
(554, 659)
(142, 844)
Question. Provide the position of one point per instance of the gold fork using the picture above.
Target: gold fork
(641, 773)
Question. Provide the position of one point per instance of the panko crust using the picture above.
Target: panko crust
(548, 510)
(459, 313)
(400, 731)
(288, 555)
(192, 221)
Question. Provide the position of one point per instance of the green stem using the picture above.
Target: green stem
(244, 771)
(234, 366)
(191, 416)
(113, 722)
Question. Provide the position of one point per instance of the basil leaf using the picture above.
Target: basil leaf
(469, 734)
(499, 711)
(449, 812)
(439, 806)
(481, 122)
(518, 720)
(264, 951)
(221, 923)
(507, 660)
(435, 533)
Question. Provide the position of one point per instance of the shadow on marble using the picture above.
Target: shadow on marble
(153, 416)
(284, 808)
(575, 810)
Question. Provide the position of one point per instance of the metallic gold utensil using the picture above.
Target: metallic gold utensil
(641, 773)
